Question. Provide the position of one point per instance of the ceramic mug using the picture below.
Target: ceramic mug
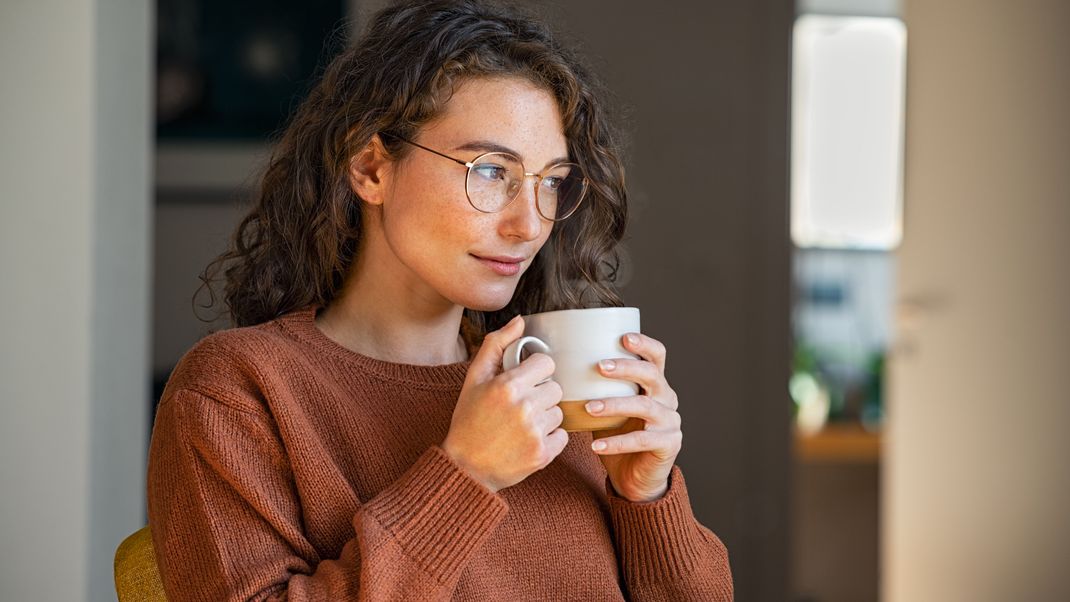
(577, 339)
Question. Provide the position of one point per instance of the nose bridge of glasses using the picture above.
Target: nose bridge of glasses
(539, 177)
(535, 199)
(521, 183)
(538, 180)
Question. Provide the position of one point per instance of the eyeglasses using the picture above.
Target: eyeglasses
(494, 180)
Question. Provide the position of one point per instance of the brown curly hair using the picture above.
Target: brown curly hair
(296, 244)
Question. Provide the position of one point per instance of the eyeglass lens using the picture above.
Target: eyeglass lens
(495, 179)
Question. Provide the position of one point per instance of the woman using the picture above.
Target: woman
(355, 438)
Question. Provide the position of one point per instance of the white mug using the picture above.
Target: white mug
(577, 339)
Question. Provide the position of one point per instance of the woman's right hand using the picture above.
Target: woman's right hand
(506, 426)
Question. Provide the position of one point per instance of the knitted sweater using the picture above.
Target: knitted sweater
(284, 466)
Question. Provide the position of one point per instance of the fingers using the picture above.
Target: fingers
(658, 417)
(550, 419)
(556, 442)
(488, 360)
(661, 436)
(664, 445)
(646, 347)
(532, 372)
(644, 373)
(531, 384)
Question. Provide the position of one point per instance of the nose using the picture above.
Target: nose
(520, 218)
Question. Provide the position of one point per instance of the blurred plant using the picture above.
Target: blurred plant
(835, 385)
(810, 394)
(873, 403)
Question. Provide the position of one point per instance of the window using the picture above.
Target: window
(847, 132)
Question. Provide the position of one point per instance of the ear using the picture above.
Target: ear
(369, 172)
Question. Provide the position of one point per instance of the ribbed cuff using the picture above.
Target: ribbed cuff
(438, 513)
(659, 539)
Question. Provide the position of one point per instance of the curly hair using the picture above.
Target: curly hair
(297, 242)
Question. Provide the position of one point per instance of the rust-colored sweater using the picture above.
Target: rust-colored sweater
(284, 466)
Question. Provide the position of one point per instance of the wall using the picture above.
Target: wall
(191, 229)
(74, 257)
(704, 90)
(976, 484)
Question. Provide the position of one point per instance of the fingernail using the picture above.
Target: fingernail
(632, 339)
(594, 407)
(607, 365)
(598, 445)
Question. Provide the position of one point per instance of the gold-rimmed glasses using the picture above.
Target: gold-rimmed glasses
(494, 180)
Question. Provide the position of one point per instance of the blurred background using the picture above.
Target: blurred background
(850, 226)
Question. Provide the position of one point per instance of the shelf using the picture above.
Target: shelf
(839, 443)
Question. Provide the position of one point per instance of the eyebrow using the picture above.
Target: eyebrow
(487, 146)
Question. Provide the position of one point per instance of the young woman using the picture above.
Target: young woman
(354, 438)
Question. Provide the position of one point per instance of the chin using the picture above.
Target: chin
(486, 299)
(484, 304)
(482, 292)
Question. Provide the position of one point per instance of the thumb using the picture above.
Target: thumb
(488, 360)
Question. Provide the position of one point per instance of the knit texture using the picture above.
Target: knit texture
(284, 466)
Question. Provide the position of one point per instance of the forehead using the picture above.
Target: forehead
(510, 112)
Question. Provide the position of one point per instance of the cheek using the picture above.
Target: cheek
(430, 232)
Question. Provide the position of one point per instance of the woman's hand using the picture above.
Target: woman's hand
(506, 426)
(640, 454)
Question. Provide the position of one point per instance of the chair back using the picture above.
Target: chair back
(137, 578)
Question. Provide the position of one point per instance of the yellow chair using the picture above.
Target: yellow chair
(137, 578)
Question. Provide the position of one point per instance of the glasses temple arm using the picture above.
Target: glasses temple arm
(430, 150)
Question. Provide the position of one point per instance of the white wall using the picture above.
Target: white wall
(870, 8)
(977, 485)
(74, 246)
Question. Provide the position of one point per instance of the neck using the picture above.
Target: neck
(378, 314)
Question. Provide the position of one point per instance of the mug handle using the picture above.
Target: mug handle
(511, 358)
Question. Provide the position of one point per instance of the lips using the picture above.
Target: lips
(510, 267)
(501, 258)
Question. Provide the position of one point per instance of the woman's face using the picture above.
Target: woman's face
(430, 227)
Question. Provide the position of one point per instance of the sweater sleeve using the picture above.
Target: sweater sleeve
(227, 525)
(665, 553)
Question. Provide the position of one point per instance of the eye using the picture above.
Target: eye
(553, 182)
(489, 171)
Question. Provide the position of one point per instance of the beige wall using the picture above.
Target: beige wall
(74, 257)
(44, 443)
(977, 484)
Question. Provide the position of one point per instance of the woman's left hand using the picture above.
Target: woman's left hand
(640, 454)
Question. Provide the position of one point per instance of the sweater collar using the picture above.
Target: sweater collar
(301, 324)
